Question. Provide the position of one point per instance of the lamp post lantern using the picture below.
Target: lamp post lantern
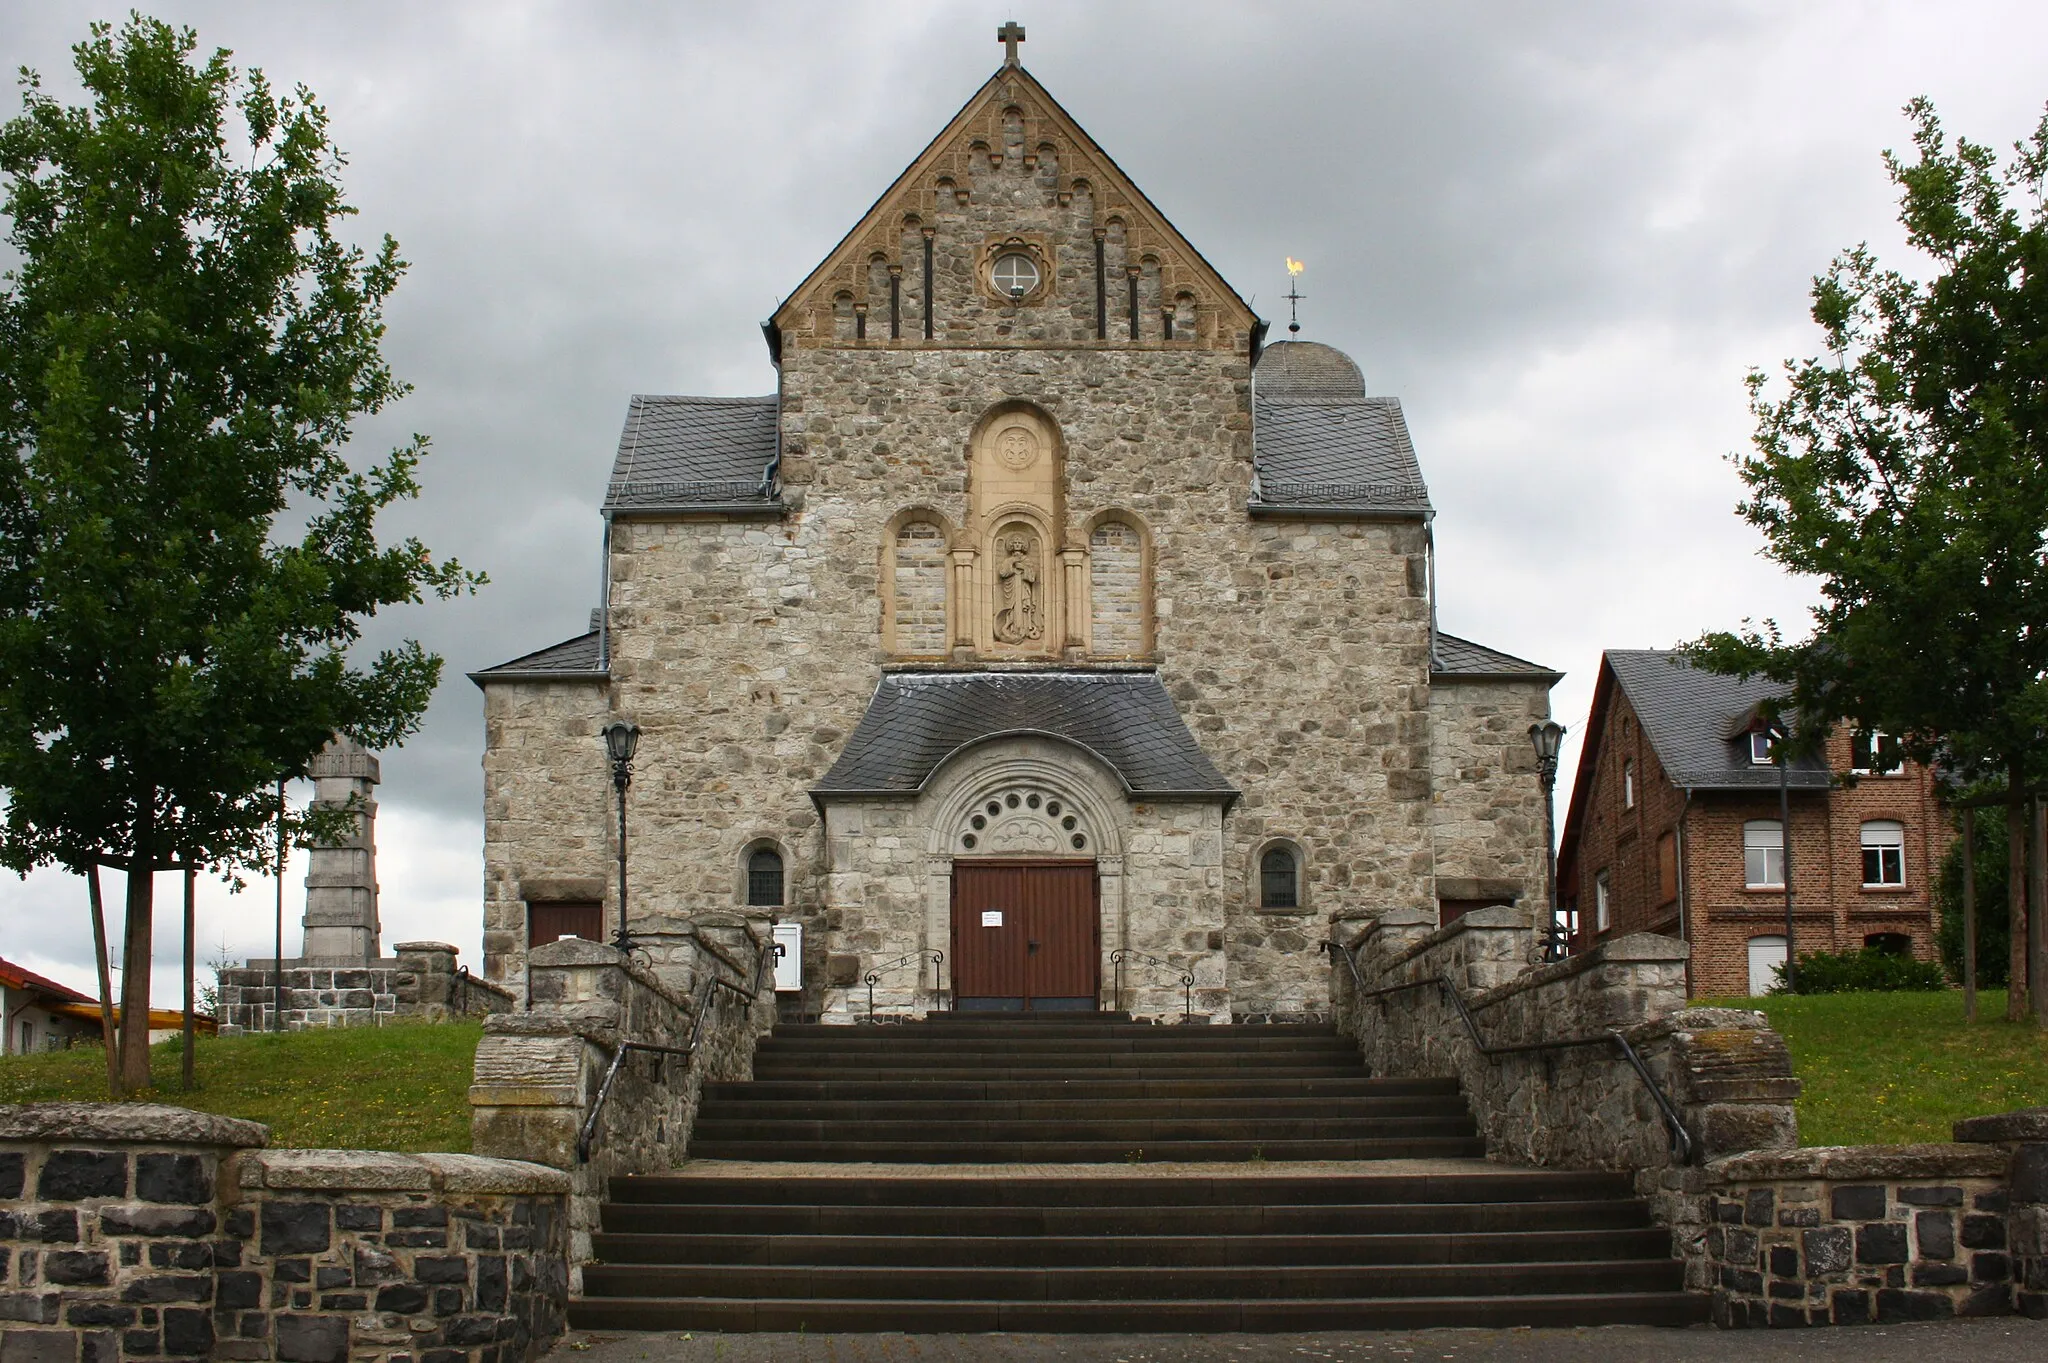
(1546, 738)
(621, 738)
(1781, 738)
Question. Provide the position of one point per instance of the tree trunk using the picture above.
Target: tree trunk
(2016, 901)
(191, 968)
(135, 949)
(99, 951)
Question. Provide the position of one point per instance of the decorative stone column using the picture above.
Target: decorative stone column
(341, 921)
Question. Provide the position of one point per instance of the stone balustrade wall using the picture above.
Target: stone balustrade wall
(539, 1072)
(135, 1231)
(421, 983)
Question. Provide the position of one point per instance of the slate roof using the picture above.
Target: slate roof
(1457, 657)
(1686, 715)
(570, 658)
(915, 721)
(1319, 442)
(694, 453)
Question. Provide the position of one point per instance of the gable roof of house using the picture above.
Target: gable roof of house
(20, 977)
(576, 659)
(916, 721)
(692, 453)
(1687, 715)
(1320, 443)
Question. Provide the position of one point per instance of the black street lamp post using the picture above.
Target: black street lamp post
(1781, 738)
(620, 740)
(1547, 737)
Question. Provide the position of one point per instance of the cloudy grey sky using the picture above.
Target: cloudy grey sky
(1560, 232)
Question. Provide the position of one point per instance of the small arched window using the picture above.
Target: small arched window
(1279, 878)
(764, 878)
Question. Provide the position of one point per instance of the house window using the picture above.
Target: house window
(1015, 274)
(1766, 960)
(1884, 852)
(1628, 784)
(1760, 747)
(1890, 943)
(1667, 867)
(1600, 902)
(1872, 752)
(1279, 878)
(1763, 854)
(764, 878)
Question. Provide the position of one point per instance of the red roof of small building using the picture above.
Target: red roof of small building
(16, 977)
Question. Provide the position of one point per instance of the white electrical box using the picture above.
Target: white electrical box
(789, 967)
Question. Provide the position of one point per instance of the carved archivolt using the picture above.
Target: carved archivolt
(1025, 820)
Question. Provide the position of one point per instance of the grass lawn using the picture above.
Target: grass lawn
(365, 1088)
(1888, 1069)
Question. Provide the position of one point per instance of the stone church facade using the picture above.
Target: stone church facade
(1043, 613)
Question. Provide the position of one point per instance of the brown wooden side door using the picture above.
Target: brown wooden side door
(550, 922)
(1025, 935)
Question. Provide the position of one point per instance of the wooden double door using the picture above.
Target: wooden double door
(1027, 936)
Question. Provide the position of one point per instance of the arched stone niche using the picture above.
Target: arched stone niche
(916, 552)
(1119, 575)
(1024, 766)
(1017, 559)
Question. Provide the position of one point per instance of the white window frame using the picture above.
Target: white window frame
(1884, 836)
(1758, 864)
(1760, 747)
(1008, 288)
(1600, 901)
(1628, 783)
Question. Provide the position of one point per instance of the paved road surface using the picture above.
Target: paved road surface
(2006, 1340)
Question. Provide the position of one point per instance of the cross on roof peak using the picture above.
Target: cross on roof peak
(1009, 35)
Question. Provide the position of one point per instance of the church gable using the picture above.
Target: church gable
(1014, 228)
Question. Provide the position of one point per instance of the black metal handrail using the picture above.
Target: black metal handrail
(1682, 1142)
(1187, 978)
(935, 957)
(586, 1136)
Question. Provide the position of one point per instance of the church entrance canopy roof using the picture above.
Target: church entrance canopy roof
(916, 721)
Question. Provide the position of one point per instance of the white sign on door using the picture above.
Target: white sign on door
(991, 918)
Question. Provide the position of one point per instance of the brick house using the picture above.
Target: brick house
(1674, 828)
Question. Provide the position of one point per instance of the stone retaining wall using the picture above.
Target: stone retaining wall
(421, 983)
(538, 1072)
(135, 1231)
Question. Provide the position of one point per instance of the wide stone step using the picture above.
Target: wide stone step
(1108, 1251)
(1235, 1189)
(967, 1088)
(1230, 1315)
(750, 1107)
(1139, 1042)
(1121, 1283)
(939, 1151)
(999, 1067)
(1105, 1125)
(1337, 1219)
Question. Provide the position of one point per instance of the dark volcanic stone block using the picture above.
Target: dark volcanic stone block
(99, 1313)
(359, 1218)
(2028, 1181)
(312, 1339)
(38, 1346)
(1784, 1261)
(292, 1271)
(294, 1227)
(156, 1221)
(187, 1332)
(1881, 1243)
(490, 1283)
(449, 1269)
(412, 1218)
(57, 1227)
(73, 1175)
(238, 1291)
(447, 1301)
(1828, 1250)
(1932, 1197)
(417, 1239)
(1940, 1275)
(1758, 1204)
(144, 1343)
(1990, 1267)
(169, 1287)
(1983, 1232)
(76, 1267)
(13, 1173)
(1849, 1306)
(37, 1308)
(470, 1330)
(1893, 1304)
(172, 1178)
(1936, 1234)
(325, 1278)
(1858, 1202)
(404, 1299)
(181, 1254)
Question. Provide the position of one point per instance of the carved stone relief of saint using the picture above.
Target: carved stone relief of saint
(1019, 616)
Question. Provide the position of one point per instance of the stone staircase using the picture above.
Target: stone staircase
(1163, 1187)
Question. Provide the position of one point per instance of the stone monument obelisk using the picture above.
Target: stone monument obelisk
(341, 877)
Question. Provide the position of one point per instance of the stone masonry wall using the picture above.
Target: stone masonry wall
(1486, 800)
(422, 983)
(142, 1232)
(538, 1073)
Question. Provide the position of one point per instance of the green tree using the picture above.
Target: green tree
(1907, 471)
(186, 556)
(1993, 943)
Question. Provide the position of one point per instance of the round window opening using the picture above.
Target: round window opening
(1015, 274)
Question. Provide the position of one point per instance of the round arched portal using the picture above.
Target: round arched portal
(1024, 860)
